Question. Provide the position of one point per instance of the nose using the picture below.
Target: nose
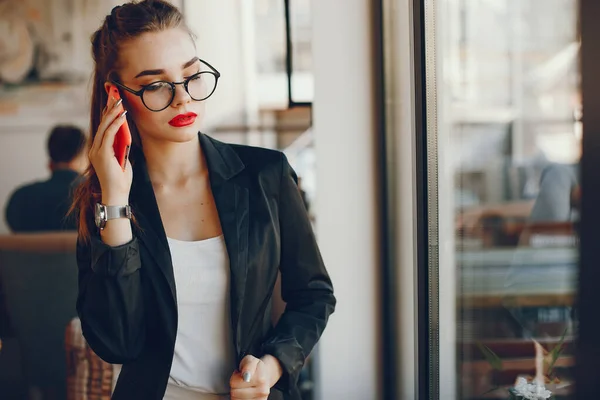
(181, 96)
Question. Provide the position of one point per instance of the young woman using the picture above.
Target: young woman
(179, 253)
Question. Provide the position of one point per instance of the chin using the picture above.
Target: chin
(184, 134)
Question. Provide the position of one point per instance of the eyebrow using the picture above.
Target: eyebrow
(162, 71)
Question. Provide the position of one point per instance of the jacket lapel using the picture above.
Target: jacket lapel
(232, 201)
(151, 231)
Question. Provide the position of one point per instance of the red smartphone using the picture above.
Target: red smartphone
(122, 143)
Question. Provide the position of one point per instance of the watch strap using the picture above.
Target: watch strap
(115, 212)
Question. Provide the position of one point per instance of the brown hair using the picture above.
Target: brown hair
(125, 22)
(65, 142)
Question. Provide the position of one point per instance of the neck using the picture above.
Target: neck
(54, 167)
(171, 163)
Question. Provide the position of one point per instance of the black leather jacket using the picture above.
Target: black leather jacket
(127, 300)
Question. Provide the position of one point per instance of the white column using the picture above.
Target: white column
(348, 356)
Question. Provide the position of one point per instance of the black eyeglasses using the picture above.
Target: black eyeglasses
(160, 94)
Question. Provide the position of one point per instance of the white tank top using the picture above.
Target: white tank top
(204, 358)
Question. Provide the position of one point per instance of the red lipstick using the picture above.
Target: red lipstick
(183, 120)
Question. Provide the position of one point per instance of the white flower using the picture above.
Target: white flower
(531, 391)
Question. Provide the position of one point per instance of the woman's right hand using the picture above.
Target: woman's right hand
(114, 182)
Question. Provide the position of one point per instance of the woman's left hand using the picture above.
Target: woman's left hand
(260, 376)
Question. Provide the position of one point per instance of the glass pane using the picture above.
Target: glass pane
(509, 112)
(301, 35)
(270, 48)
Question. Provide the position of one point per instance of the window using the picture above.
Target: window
(271, 51)
(503, 123)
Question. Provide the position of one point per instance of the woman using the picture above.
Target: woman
(179, 253)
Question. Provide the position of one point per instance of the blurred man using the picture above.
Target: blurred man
(42, 206)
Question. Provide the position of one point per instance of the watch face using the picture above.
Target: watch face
(100, 215)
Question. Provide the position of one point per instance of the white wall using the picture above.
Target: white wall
(348, 359)
(218, 26)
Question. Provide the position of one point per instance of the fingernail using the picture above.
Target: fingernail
(118, 103)
(246, 377)
(123, 114)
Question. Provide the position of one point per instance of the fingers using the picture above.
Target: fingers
(114, 114)
(108, 118)
(248, 374)
(249, 382)
(257, 388)
(261, 392)
(111, 131)
(248, 367)
(128, 166)
(101, 127)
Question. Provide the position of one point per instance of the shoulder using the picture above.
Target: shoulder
(256, 159)
(259, 158)
(20, 200)
(30, 189)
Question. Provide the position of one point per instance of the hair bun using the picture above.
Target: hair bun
(114, 10)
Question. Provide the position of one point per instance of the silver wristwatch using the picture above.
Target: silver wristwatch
(104, 213)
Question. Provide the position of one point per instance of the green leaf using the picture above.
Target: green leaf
(490, 356)
(555, 353)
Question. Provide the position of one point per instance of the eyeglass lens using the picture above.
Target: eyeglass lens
(159, 95)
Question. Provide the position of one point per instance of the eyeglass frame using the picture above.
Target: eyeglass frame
(185, 83)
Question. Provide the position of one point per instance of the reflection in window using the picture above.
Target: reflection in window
(509, 110)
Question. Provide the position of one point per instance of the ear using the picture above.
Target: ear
(112, 90)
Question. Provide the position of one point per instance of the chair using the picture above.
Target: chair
(88, 376)
(38, 274)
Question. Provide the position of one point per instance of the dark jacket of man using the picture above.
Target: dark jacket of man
(127, 300)
(43, 206)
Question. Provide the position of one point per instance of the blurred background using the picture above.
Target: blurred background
(438, 145)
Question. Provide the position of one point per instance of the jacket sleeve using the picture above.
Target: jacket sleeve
(305, 285)
(110, 302)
